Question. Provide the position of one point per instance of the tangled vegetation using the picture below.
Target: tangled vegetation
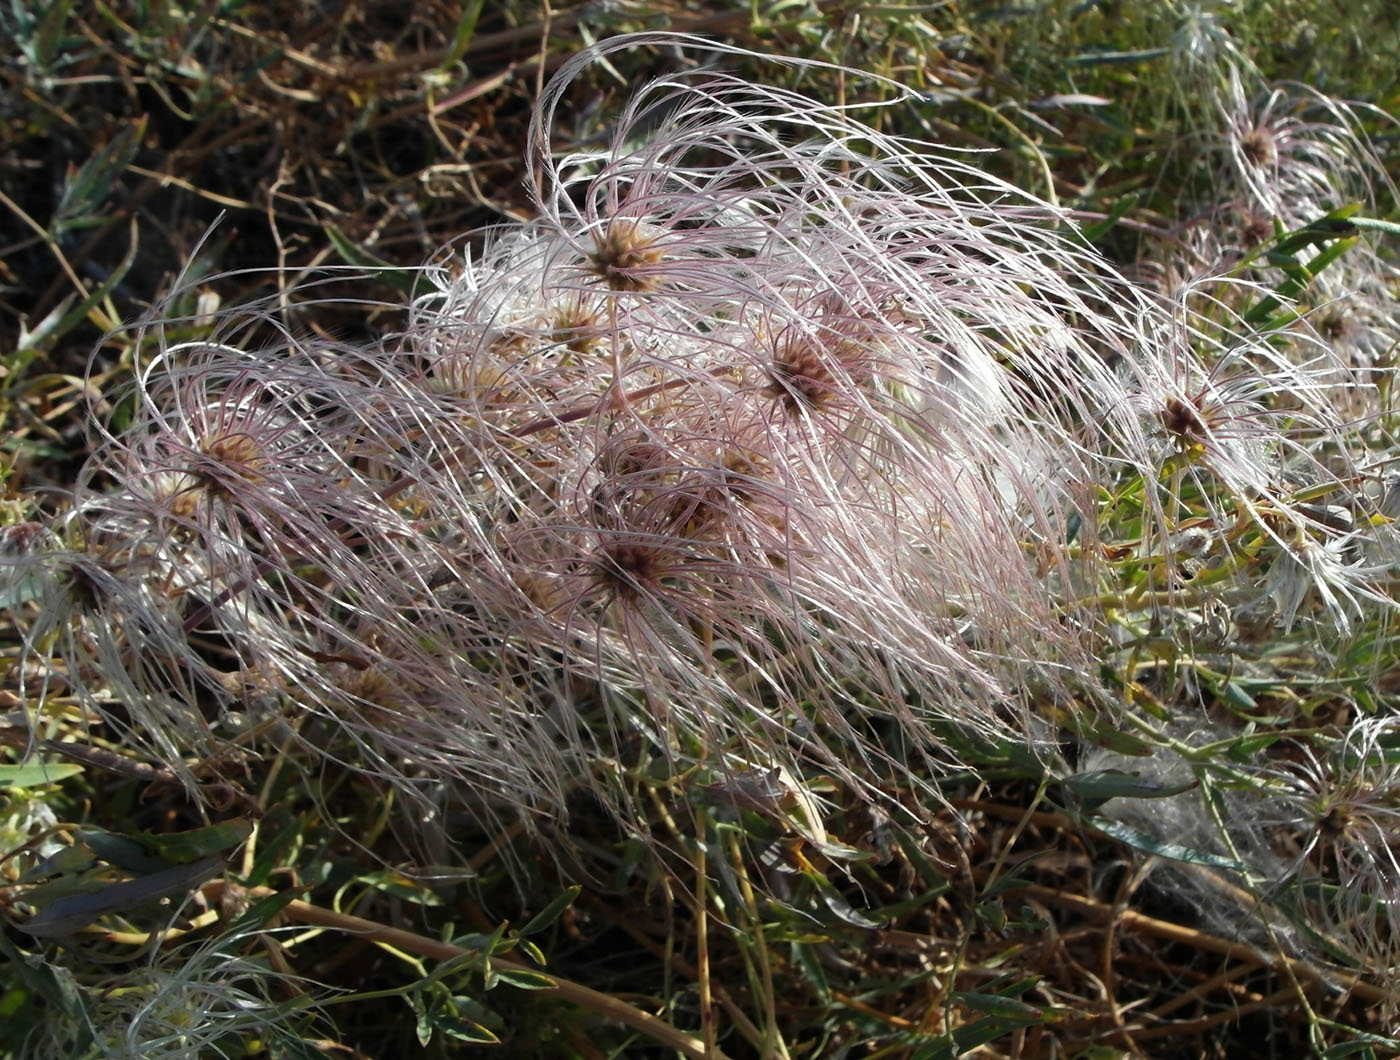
(783, 531)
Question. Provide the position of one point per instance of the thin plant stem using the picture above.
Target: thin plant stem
(702, 932)
(603, 1005)
(773, 1041)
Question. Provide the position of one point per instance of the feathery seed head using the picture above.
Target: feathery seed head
(1258, 147)
(770, 419)
(1345, 805)
(625, 254)
(810, 373)
(1296, 153)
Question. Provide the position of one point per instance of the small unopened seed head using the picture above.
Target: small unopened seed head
(623, 253)
(1183, 421)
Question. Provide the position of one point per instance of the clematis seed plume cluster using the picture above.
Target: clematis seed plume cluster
(770, 439)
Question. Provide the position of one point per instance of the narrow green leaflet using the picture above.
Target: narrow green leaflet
(67, 915)
(1094, 788)
(400, 279)
(143, 852)
(1149, 844)
(37, 774)
(524, 980)
(550, 913)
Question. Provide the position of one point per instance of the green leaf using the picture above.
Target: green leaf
(1009, 881)
(932, 877)
(1377, 225)
(844, 911)
(423, 1019)
(1246, 748)
(1341, 1049)
(54, 985)
(552, 912)
(394, 883)
(275, 852)
(834, 901)
(1096, 231)
(1003, 1007)
(1106, 735)
(37, 774)
(1150, 844)
(1334, 233)
(498, 942)
(143, 852)
(895, 910)
(1095, 788)
(87, 189)
(530, 950)
(993, 914)
(1236, 698)
(1335, 225)
(45, 42)
(124, 852)
(1361, 1045)
(401, 279)
(461, 1029)
(180, 847)
(67, 915)
(971, 1036)
(67, 862)
(465, 31)
(66, 316)
(808, 960)
(525, 980)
